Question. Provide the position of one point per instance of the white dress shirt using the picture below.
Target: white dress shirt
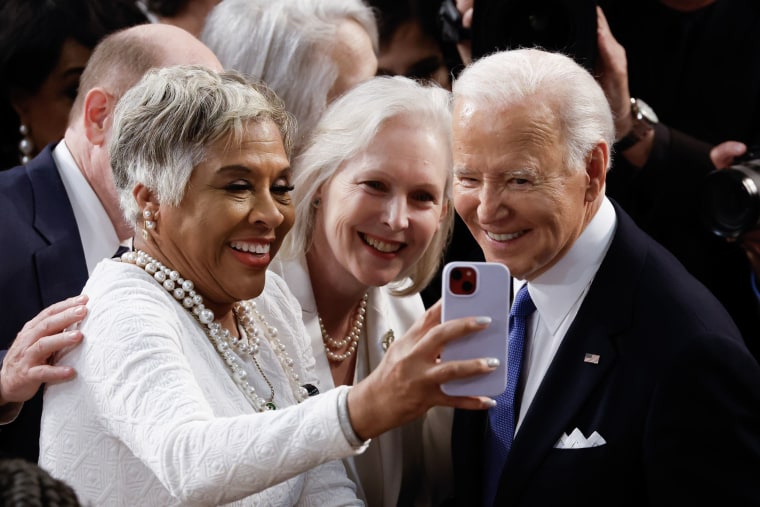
(558, 294)
(98, 235)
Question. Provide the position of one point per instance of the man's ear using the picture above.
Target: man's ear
(98, 106)
(596, 170)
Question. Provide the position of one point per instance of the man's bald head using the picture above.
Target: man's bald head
(122, 58)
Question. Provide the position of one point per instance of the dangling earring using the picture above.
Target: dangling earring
(25, 146)
(316, 202)
(148, 224)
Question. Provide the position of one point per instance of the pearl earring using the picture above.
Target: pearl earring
(148, 224)
(25, 146)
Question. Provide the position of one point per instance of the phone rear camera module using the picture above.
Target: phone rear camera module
(462, 281)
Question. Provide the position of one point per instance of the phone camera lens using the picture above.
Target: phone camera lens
(468, 287)
(456, 274)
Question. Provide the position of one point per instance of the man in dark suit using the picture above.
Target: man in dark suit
(634, 387)
(61, 211)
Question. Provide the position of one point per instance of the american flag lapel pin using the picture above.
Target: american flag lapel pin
(591, 358)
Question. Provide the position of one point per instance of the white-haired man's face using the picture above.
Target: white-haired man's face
(512, 189)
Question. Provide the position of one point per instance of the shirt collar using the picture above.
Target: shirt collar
(556, 291)
(97, 233)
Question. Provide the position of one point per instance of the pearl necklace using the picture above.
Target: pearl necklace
(250, 320)
(352, 340)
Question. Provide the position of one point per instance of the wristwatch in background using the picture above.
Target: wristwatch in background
(644, 120)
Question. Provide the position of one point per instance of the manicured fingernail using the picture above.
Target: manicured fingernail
(79, 310)
(73, 336)
(80, 298)
(491, 402)
(492, 362)
(483, 320)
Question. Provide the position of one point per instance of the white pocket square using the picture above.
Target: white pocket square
(576, 440)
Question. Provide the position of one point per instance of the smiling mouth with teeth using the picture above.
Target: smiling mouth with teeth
(382, 246)
(504, 237)
(254, 248)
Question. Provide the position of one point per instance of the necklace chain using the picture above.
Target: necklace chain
(351, 341)
(250, 321)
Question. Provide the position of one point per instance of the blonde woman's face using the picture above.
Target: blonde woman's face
(379, 213)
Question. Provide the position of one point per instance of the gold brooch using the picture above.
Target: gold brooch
(388, 339)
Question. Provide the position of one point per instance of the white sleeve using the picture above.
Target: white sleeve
(328, 485)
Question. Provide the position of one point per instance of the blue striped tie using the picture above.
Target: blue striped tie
(503, 417)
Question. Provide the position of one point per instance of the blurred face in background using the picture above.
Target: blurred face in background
(412, 53)
(45, 112)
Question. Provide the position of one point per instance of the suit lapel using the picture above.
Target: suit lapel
(570, 380)
(61, 266)
(566, 386)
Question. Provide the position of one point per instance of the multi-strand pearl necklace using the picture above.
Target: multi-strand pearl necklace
(352, 340)
(250, 320)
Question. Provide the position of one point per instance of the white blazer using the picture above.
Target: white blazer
(393, 470)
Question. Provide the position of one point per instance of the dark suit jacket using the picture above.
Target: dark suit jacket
(41, 262)
(676, 396)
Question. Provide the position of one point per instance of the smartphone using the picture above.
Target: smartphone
(477, 289)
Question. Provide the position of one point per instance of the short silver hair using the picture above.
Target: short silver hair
(286, 43)
(517, 76)
(348, 126)
(164, 126)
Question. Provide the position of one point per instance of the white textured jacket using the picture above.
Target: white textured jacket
(154, 418)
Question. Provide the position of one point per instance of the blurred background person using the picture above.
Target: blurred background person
(44, 47)
(373, 216)
(309, 52)
(195, 391)
(410, 41)
(189, 15)
(694, 78)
